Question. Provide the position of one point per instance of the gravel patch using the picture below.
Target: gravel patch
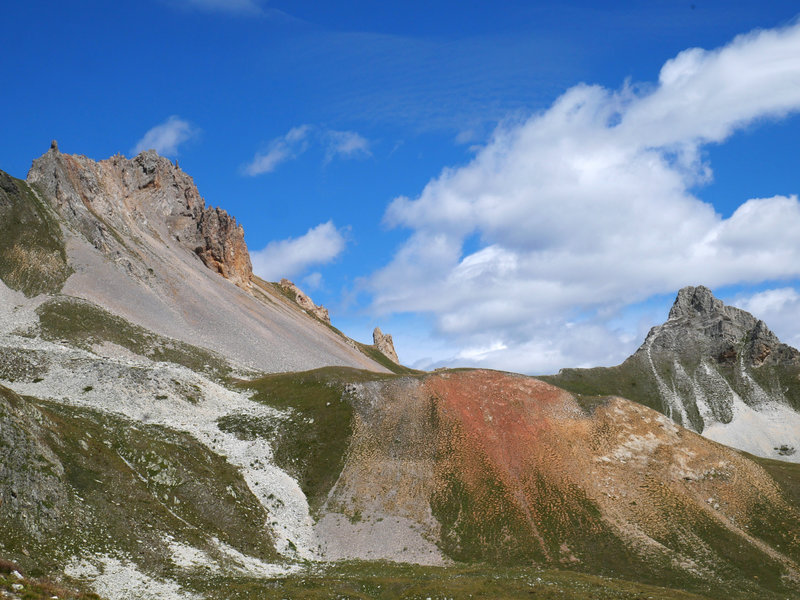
(120, 579)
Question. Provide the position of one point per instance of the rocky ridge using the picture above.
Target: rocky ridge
(147, 191)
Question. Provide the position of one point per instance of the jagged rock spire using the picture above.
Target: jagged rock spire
(383, 342)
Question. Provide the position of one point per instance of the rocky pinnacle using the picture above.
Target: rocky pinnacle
(383, 342)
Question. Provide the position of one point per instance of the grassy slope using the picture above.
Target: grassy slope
(391, 581)
(479, 508)
(633, 380)
(628, 380)
(34, 588)
(785, 474)
(380, 358)
(387, 581)
(127, 485)
(32, 255)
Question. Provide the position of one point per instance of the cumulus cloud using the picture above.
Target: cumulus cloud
(587, 207)
(283, 148)
(313, 281)
(290, 257)
(166, 137)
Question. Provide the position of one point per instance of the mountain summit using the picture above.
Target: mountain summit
(715, 369)
(699, 322)
(135, 238)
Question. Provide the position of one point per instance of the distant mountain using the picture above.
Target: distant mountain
(714, 369)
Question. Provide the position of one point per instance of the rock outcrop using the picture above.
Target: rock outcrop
(383, 342)
(305, 302)
(222, 247)
(118, 198)
(712, 368)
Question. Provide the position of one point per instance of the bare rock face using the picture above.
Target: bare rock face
(120, 199)
(702, 326)
(383, 342)
(305, 302)
(222, 247)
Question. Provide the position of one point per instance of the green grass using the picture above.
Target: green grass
(380, 358)
(83, 324)
(627, 380)
(393, 581)
(36, 588)
(785, 474)
(32, 255)
(311, 443)
(770, 526)
(632, 380)
(780, 379)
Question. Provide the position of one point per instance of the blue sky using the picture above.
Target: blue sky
(520, 185)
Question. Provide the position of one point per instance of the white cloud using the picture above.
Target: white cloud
(343, 144)
(166, 137)
(290, 257)
(346, 144)
(312, 281)
(283, 148)
(587, 207)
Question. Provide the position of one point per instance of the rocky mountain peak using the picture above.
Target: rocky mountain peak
(146, 196)
(712, 368)
(701, 324)
(693, 301)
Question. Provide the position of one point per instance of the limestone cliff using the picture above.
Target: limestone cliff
(119, 198)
